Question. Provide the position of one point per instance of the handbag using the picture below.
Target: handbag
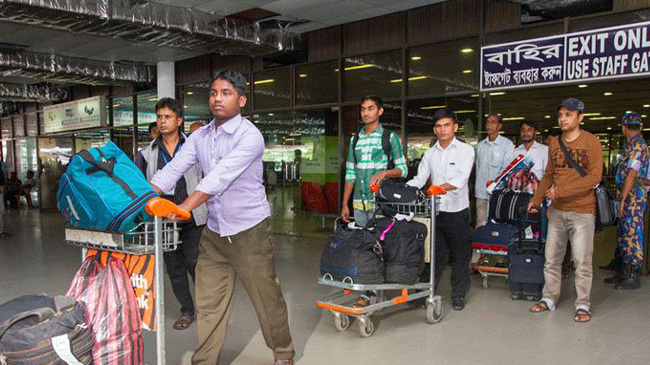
(605, 206)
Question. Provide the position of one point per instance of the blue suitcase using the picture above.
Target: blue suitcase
(494, 234)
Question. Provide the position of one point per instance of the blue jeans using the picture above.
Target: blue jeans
(361, 217)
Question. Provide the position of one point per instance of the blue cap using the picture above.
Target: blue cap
(572, 104)
(631, 119)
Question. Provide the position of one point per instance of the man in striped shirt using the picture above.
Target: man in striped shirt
(368, 161)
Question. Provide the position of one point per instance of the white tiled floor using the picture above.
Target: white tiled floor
(492, 329)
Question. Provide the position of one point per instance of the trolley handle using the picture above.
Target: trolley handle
(161, 207)
(435, 190)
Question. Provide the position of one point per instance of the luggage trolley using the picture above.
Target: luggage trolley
(148, 238)
(340, 303)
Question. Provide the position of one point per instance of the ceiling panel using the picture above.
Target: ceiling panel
(222, 7)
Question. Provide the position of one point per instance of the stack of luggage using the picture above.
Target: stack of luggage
(514, 234)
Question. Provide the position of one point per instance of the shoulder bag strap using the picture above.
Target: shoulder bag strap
(568, 158)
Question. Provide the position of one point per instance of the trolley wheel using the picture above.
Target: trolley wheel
(341, 322)
(485, 282)
(434, 312)
(366, 327)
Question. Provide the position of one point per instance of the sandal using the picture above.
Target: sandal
(582, 316)
(361, 303)
(539, 307)
(184, 322)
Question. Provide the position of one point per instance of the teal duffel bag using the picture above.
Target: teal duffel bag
(102, 189)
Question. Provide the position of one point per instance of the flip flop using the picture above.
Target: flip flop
(184, 322)
(582, 316)
(539, 307)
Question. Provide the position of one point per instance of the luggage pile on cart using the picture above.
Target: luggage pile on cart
(111, 209)
(386, 255)
(511, 244)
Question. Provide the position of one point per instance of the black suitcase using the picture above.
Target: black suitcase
(508, 206)
(498, 234)
(526, 266)
(39, 330)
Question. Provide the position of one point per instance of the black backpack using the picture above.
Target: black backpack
(353, 253)
(39, 330)
(403, 246)
(385, 145)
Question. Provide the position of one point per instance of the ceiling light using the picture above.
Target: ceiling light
(190, 93)
(271, 114)
(267, 81)
(153, 99)
(547, 116)
(467, 71)
(414, 78)
(433, 107)
(609, 128)
(514, 118)
(582, 86)
(602, 118)
(464, 111)
(184, 106)
(474, 96)
(644, 116)
(302, 75)
(466, 50)
(628, 111)
(608, 94)
(359, 67)
(545, 130)
(497, 93)
(646, 105)
(416, 58)
(116, 105)
(591, 114)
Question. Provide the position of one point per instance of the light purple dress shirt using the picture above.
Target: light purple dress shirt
(231, 159)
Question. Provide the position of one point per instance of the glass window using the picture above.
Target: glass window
(444, 68)
(378, 73)
(90, 139)
(196, 105)
(123, 138)
(147, 108)
(55, 154)
(32, 124)
(6, 127)
(317, 83)
(272, 89)
(122, 111)
(18, 125)
(8, 154)
(419, 124)
(524, 33)
(26, 160)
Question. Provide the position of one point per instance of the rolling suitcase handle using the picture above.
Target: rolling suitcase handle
(520, 230)
(43, 314)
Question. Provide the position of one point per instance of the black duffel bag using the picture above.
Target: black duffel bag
(507, 206)
(353, 253)
(39, 330)
(403, 243)
(397, 192)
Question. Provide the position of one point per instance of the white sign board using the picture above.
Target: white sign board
(78, 114)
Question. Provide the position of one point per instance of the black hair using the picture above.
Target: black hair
(375, 99)
(151, 126)
(237, 80)
(442, 114)
(530, 123)
(494, 115)
(30, 174)
(634, 127)
(172, 104)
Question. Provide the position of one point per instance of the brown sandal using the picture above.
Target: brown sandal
(361, 303)
(184, 322)
(582, 316)
(539, 307)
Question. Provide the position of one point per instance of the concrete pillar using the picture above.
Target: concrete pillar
(166, 80)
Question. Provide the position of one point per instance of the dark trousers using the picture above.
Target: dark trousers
(182, 261)
(452, 236)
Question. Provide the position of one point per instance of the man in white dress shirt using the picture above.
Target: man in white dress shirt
(538, 152)
(449, 163)
(493, 155)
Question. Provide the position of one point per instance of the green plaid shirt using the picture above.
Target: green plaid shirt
(370, 160)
